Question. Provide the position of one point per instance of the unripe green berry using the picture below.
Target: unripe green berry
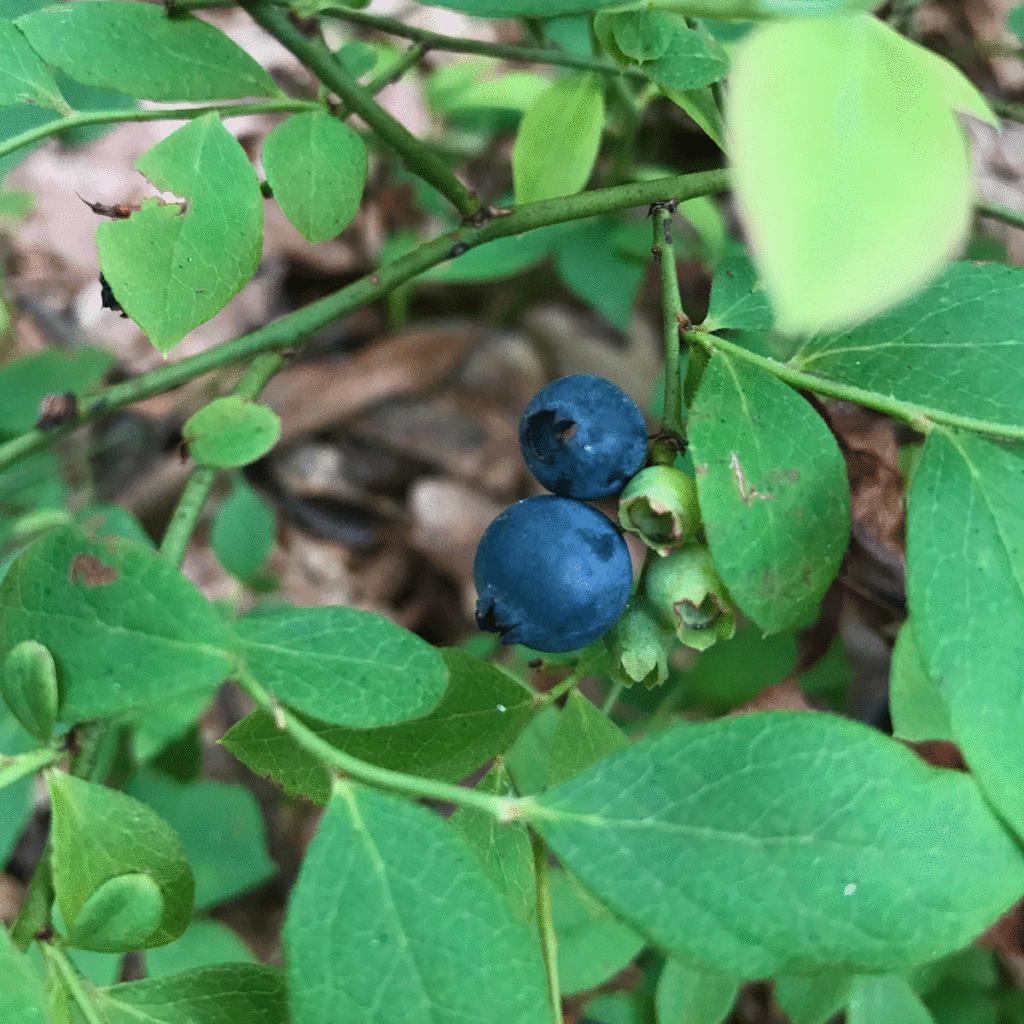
(688, 594)
(639, 644)
(660, 505)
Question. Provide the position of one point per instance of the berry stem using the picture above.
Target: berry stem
(672, 314)
(613, 695)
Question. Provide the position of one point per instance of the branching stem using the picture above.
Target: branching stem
(1015, 218)
(274, 106)
(417, 155)
(291, 330)
(454, 44)
(918, 416)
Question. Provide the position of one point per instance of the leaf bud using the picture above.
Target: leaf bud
(29, 687)
(639, 644)
(687, 592)
(660, 505)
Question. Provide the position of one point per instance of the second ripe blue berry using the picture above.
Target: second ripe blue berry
(583, 437)
(551, 573)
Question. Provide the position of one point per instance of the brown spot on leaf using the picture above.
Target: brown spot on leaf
(90, 571)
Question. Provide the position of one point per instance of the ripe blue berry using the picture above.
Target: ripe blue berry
(583, 437)
(551, 573)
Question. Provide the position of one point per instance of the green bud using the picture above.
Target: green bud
(29, 686)
(660, 505)
(688, 594)
(639, 645)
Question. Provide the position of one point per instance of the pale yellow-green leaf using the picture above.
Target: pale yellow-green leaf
(850, 169)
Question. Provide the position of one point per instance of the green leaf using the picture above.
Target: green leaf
(254, 993)
(125, 628)
(703, 215)
(15, 204)
(500, 258)
(342, 665)
(528, 758)
(203, 943)
(156, 725)
(644, 33)
(24, 78)
(503, 850)
(220, 828)
(1015, 21)
(915, 703)
(266, 749)
(965, 590)
(700, 104)
(316, 166)
(22, 998)
(829, 678)
(885, 1000)
(968, 989)
(784, 841)
(583, 736)
(111, 521)
(686, 996)
(231, 431)
(476, 83)
(392, 918)
(173, 269)
(850, 170)
(558, 139)
(243, 531)
(812, 999)
(99, 834)
(523, 8)
(636, 1007)
(25, 382)
(733, 671)
(120, 915)
(690, 61)
(773, 492)
(137, 49)
(598, 273)
(357, 57)
(968, 318)
(29, 687)
(592, 944)
(482, 711)
(738, 300)
(17, 799)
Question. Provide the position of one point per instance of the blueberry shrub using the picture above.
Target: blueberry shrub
(666, 803)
